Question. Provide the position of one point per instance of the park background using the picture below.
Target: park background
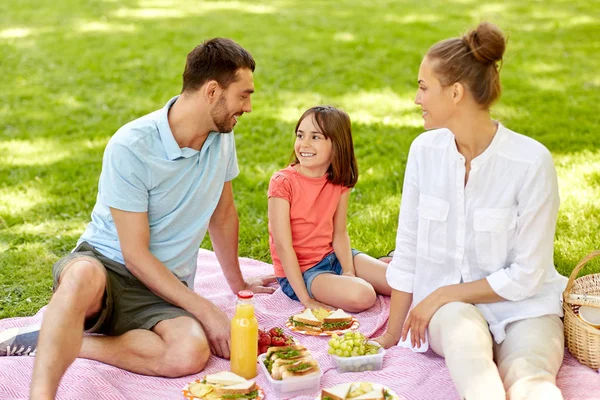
(72, 72)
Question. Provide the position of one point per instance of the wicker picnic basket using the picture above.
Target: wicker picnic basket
(583, 340)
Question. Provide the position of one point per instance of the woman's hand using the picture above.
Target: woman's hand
(386, 340)
(419, 317)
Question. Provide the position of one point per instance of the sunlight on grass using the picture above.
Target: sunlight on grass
(412, 18)
(153, 9)
(343, 37)
(95, 26)
(25, 152)
(15, 33)
(17, 202)
(367, 107)
(56, 229)
(44, 151)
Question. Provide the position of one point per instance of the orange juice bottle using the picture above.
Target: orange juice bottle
(244, 336)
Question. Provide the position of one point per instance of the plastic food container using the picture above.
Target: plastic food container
(369, 362)
(294, 386)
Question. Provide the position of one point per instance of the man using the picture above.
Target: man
(166, 179)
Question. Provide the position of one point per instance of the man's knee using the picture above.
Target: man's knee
(184, 358)
(83, 279)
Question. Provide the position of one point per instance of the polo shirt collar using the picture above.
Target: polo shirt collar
(166, 136)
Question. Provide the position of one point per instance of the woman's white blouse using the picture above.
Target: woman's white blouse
(500, 226)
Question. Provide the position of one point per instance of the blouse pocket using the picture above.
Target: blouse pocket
(432, 231)
(492, 226)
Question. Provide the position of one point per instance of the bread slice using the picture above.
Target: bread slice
(338, 392)
(337, 320)
(224, 378)
(280, 365)
(240, 388)
(286, 352)
(300, 369)
(375, 394)
(306, 320)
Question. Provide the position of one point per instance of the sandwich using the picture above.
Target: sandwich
(338, 392)
(224, 378)
(222, 386)
(288, 361)
(356, 391)
(375, 394)
(306, 321)
(246, 390)
(337, 320)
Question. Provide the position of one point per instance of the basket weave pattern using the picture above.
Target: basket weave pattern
(583, 340)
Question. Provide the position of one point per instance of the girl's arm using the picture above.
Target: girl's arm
(279, 219)
(341, 239)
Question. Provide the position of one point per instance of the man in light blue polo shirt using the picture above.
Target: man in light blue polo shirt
(166, 180)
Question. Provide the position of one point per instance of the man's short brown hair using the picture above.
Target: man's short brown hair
(216, 59)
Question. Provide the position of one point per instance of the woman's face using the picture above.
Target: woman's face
(435, 100)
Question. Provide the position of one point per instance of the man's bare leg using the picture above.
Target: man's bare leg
(175, 347)
(79, 295)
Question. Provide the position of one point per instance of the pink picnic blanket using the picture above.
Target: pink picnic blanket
(410, 375)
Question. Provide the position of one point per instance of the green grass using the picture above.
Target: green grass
(73, 72)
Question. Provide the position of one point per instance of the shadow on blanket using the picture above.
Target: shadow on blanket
(413, 376)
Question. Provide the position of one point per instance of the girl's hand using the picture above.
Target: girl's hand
(314, 304)
(386, 340)
(418, 319)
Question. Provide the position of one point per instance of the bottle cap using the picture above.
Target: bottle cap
(245, 294)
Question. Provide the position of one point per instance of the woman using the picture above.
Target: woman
(474, 249)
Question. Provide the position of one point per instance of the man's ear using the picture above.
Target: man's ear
(458, 92)
(211, 91)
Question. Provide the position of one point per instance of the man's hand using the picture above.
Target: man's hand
(218, 330)
(260, 284)
(386, 340)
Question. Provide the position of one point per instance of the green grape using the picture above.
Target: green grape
(339, 352)
(335, 336)
(331, 350)
(346, 353)
(362, 349)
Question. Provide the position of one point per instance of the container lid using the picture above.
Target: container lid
(245, 294)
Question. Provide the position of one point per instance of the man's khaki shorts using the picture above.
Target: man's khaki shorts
(127, 304)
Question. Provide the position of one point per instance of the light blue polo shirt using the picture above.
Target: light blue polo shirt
(145, 170)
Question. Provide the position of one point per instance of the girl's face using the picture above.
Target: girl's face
(312, 149)
(435, 100)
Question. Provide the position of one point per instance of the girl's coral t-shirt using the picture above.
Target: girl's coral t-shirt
(313, 202)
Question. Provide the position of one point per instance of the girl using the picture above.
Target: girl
(308, 202)
(475, 235)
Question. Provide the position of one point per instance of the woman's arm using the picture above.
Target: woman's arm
(341, 239)
(471, 292)
(399, 306)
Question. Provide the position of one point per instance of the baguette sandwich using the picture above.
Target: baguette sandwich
(306, 321)
(337, 320)
(287, 361)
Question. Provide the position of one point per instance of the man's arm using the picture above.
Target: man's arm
(134, 236)
(223, 229)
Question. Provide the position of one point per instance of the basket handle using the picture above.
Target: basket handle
(576, 270)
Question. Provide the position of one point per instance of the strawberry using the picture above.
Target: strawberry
(265, 340)
(263, 349)
(276, 332)
(278, 341)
